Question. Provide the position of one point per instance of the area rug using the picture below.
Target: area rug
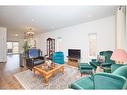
(59, 81)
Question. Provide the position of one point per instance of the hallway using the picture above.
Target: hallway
(7, 70)
(12, 62)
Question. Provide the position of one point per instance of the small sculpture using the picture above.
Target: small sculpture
(48, 62)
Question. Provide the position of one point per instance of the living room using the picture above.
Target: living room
(79, 34)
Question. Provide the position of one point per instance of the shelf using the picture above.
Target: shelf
(50, 46)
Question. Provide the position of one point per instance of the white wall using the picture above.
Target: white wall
(77, 36)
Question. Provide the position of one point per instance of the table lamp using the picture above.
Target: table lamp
(119, 55)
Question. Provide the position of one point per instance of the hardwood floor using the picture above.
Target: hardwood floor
(7, 70)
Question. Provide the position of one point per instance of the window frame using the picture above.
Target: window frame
(91, 54)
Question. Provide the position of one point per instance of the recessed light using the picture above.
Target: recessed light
(16, 35)
(32, 20)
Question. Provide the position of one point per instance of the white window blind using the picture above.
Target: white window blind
(92, 44)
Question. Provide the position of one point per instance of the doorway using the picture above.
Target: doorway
(12, 47)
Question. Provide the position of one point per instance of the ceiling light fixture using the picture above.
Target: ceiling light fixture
(32, 20)
(16, 35)
(29, 33)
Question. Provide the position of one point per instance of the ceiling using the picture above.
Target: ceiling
(48, 18)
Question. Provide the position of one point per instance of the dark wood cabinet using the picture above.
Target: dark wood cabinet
(50, 46)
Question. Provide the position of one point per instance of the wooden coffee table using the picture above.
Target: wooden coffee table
(48, 73)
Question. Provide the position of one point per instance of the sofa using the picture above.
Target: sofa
(34, 58)
(116, 80)
(58, 57)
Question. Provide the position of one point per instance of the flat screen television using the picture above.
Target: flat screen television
(74, 53)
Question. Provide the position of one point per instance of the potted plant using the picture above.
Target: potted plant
(26, 48)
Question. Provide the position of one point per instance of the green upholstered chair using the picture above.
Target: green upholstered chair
(121, 71)
(107, 63)
(116, 80)
(58, 57)
(83, 83)
(115, 66)
(109, 81)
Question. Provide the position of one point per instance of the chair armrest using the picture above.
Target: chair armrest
(29, 60)
(95, 64)
(105, 64)
(29, 63)
(93, 60)
(83, 83)
(109, 81)
(40, 57)
(116, 66)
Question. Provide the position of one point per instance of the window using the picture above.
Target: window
(15, 47)
(59, 43)
(92, 44)
(12, 47)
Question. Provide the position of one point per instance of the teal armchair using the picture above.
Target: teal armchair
(58, 57)
(83, 83)
(115, 80)
(116, 66)
(107, 63)
(109, 81)
(107, 54)
(121, 71)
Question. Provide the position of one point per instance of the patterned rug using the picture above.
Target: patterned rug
(59, 81)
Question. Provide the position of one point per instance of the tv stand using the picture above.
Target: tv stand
(73, 61)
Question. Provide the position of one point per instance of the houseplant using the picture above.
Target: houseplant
(26, 48)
